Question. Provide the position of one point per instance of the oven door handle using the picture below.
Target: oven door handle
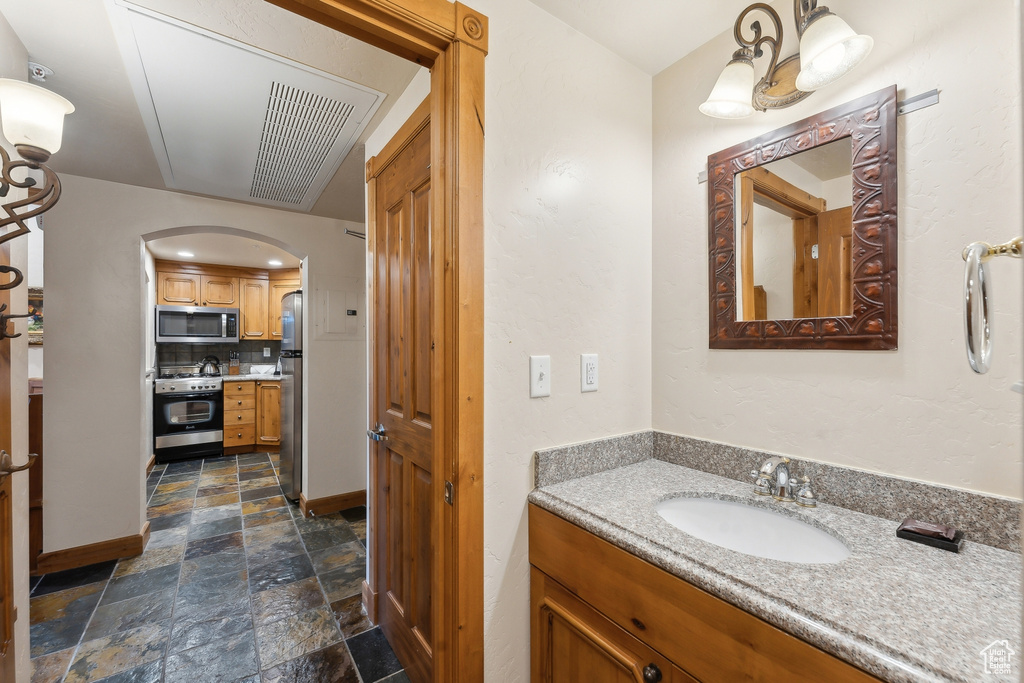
(200, 395)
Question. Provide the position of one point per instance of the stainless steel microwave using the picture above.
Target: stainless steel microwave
(196, 324)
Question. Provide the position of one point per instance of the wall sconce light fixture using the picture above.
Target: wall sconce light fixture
(32, 119)
(829, 49)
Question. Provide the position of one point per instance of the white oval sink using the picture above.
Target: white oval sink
(752, 530)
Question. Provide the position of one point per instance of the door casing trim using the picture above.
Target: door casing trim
(450, 39)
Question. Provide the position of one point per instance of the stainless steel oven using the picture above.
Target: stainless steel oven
(188, 418)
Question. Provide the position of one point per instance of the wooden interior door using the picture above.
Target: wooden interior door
(835, 288)
(402, 394)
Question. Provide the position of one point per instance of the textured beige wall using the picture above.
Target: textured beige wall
(567, 201)
(919, 412)
(95, 416)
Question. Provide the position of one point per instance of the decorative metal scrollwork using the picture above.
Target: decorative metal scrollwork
(7, 466)
(15, 281)
(43, 200)
(4, 318)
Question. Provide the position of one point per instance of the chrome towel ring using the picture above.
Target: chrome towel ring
(977, 329)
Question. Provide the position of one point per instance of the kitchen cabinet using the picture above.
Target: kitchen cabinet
(219, 291)
(178, 289)
(278, 288)
(253, 315)
(252, 415)
(598, 609)
(268, 413)
(256, 293)
(194, 289)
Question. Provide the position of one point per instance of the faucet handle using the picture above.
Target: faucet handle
(762, 486)
(805, 496)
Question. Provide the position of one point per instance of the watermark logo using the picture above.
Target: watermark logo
(998, 658)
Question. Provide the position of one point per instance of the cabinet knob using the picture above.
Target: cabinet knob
(652, 674)
(239, 417)
(239, 403)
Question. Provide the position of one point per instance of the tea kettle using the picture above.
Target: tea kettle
(210, 365)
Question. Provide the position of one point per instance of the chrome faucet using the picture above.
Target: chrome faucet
(774, 479)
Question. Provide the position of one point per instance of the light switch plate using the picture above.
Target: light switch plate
(540, 376)
(588, 372)
(266, 352)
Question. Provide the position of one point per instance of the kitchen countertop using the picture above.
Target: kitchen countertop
(900, 610)
(246, 378)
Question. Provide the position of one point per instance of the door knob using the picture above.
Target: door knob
(6, 466)
(377, 433)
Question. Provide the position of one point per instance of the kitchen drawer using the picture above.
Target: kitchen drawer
(233, 404)
(243, 435)
(232, 389)
(233, 418)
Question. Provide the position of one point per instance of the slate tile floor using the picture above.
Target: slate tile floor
(234, 585)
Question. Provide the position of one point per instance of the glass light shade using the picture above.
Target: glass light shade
(731, 96)
(31, 115)
(829, 49)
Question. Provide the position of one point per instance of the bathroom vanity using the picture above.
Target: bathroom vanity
(619, 594)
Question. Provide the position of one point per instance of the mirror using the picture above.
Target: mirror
(802, 233)
(793, 232)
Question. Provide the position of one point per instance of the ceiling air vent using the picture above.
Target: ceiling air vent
(230, 120)
(299, 129)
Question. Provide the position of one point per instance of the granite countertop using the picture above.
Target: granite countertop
(900, 610)
(241, 378)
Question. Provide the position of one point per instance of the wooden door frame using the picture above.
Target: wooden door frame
(451, 40)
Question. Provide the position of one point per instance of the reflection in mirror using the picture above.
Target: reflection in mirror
(802, 255)
(793, 231)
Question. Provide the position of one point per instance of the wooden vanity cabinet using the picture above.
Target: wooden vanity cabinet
(611, 613)
(574, 643)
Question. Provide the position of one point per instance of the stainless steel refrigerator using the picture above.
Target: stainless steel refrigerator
(291, 394)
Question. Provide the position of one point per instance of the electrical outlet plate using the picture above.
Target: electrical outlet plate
(588, 372)
(540, 376)
(266, 352)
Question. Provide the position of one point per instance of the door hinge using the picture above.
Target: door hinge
(449, 492)
(814, 251)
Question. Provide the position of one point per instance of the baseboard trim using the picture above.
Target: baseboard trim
(369, 602)
(150, 465)
(83, 555)
(329, 504)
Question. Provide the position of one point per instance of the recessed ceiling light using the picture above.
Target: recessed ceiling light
(186, 254)
(275, 262)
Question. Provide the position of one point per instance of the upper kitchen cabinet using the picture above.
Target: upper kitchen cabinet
(278, 288)
(178, 289)
(256, 293)
(194, 289)
(220, 291)
(253, 309)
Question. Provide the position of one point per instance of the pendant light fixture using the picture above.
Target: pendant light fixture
(829, 49)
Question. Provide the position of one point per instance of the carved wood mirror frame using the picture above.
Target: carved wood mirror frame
(870, 123)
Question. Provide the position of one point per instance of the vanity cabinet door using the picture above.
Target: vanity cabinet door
(574, 643)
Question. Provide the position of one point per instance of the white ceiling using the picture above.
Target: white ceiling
(651, 34)
(225, 250)
(106, 138)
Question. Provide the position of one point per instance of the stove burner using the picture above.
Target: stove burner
(186, 375)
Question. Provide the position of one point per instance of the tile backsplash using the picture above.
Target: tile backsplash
(249, 351)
